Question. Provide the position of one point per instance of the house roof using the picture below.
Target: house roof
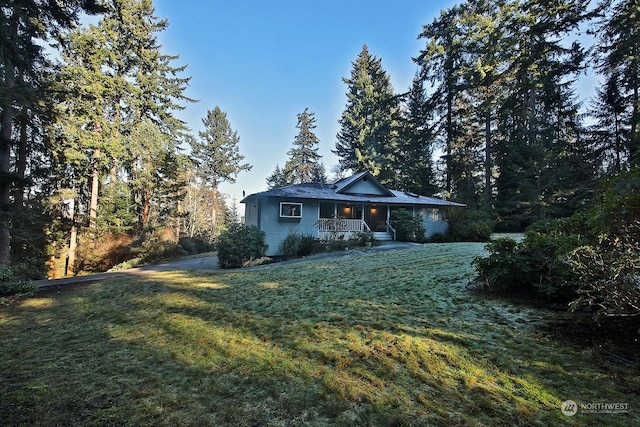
(337, 192)
(343, 185)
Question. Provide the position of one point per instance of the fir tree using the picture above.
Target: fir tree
(618, 58)
(416, 141)
(304, 164)
(23, 27)
(277, 179)
(368, 136)
(217, 154)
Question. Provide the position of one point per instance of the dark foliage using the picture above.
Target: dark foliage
(591, 259)
(409, 227)
(467, 226)
(239, 244)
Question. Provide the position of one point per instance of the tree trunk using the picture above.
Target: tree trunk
(71, 254)
(487, 161)
(6, 123)
(21, 163)
(146, 207)
(95, 186)
(214, 216)
(635, 118)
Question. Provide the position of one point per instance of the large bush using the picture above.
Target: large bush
(12, 283)
(468, 226)
(299, 245)
(239, 244)
(536, 266)
(609, 265)
(409, 227)
(592, 258)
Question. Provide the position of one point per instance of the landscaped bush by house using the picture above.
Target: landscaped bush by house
(470, 226)
(239, 244)
(299, 245)
(366, 238)
(409, 227)
(13, 284)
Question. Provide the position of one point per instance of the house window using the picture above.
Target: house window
(290, 210)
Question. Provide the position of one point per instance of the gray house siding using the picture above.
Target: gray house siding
(434, 221)
(251, 212)
(277, 227)
(363, 187)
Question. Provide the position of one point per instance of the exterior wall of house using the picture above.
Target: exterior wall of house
(434, 220)
(364, 187)
(252, 212)
(277, 228)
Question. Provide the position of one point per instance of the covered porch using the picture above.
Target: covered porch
(337, 219)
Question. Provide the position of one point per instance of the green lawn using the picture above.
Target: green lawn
(381, 338)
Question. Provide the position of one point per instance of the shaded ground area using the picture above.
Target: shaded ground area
(615, 340)
(208, 263)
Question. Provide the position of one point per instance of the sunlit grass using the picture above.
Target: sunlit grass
(388, 338)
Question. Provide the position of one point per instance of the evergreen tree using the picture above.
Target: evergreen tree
(485, 73)
(304, 163)
(23, 27)
(610, 132)
(368, 136)
(619, 61)
(154, 181)
(277, 179)
(537, 115)
(416, 141)
(440, 65)
(216, 155)
(116, 78)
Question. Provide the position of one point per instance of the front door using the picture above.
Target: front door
(376, 218)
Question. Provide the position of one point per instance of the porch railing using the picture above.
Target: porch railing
(391, 229)
(335, 227)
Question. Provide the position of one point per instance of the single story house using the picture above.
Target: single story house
(350, 205)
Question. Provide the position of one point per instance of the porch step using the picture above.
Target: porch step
(382, 236)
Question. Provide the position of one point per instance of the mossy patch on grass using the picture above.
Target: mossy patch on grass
(389, 338)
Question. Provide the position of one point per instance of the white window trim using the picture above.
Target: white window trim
(299, 205)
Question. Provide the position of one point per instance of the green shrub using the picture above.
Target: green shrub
(537, 265)
(239, 244)
(291, 245)
(470, 226)
(591, 259)
(309, 245)
(13, 284)
(365, 238)
(194, 245)
(299, 245)
(409, 227)
(505, 270)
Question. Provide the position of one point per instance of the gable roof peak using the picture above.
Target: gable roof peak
(344, 184)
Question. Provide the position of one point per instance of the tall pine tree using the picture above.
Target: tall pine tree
(369, 126)
(24, 26)
(416, 143)
(619, 60)
(304, 164)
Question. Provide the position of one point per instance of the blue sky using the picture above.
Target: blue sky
(263, 62)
